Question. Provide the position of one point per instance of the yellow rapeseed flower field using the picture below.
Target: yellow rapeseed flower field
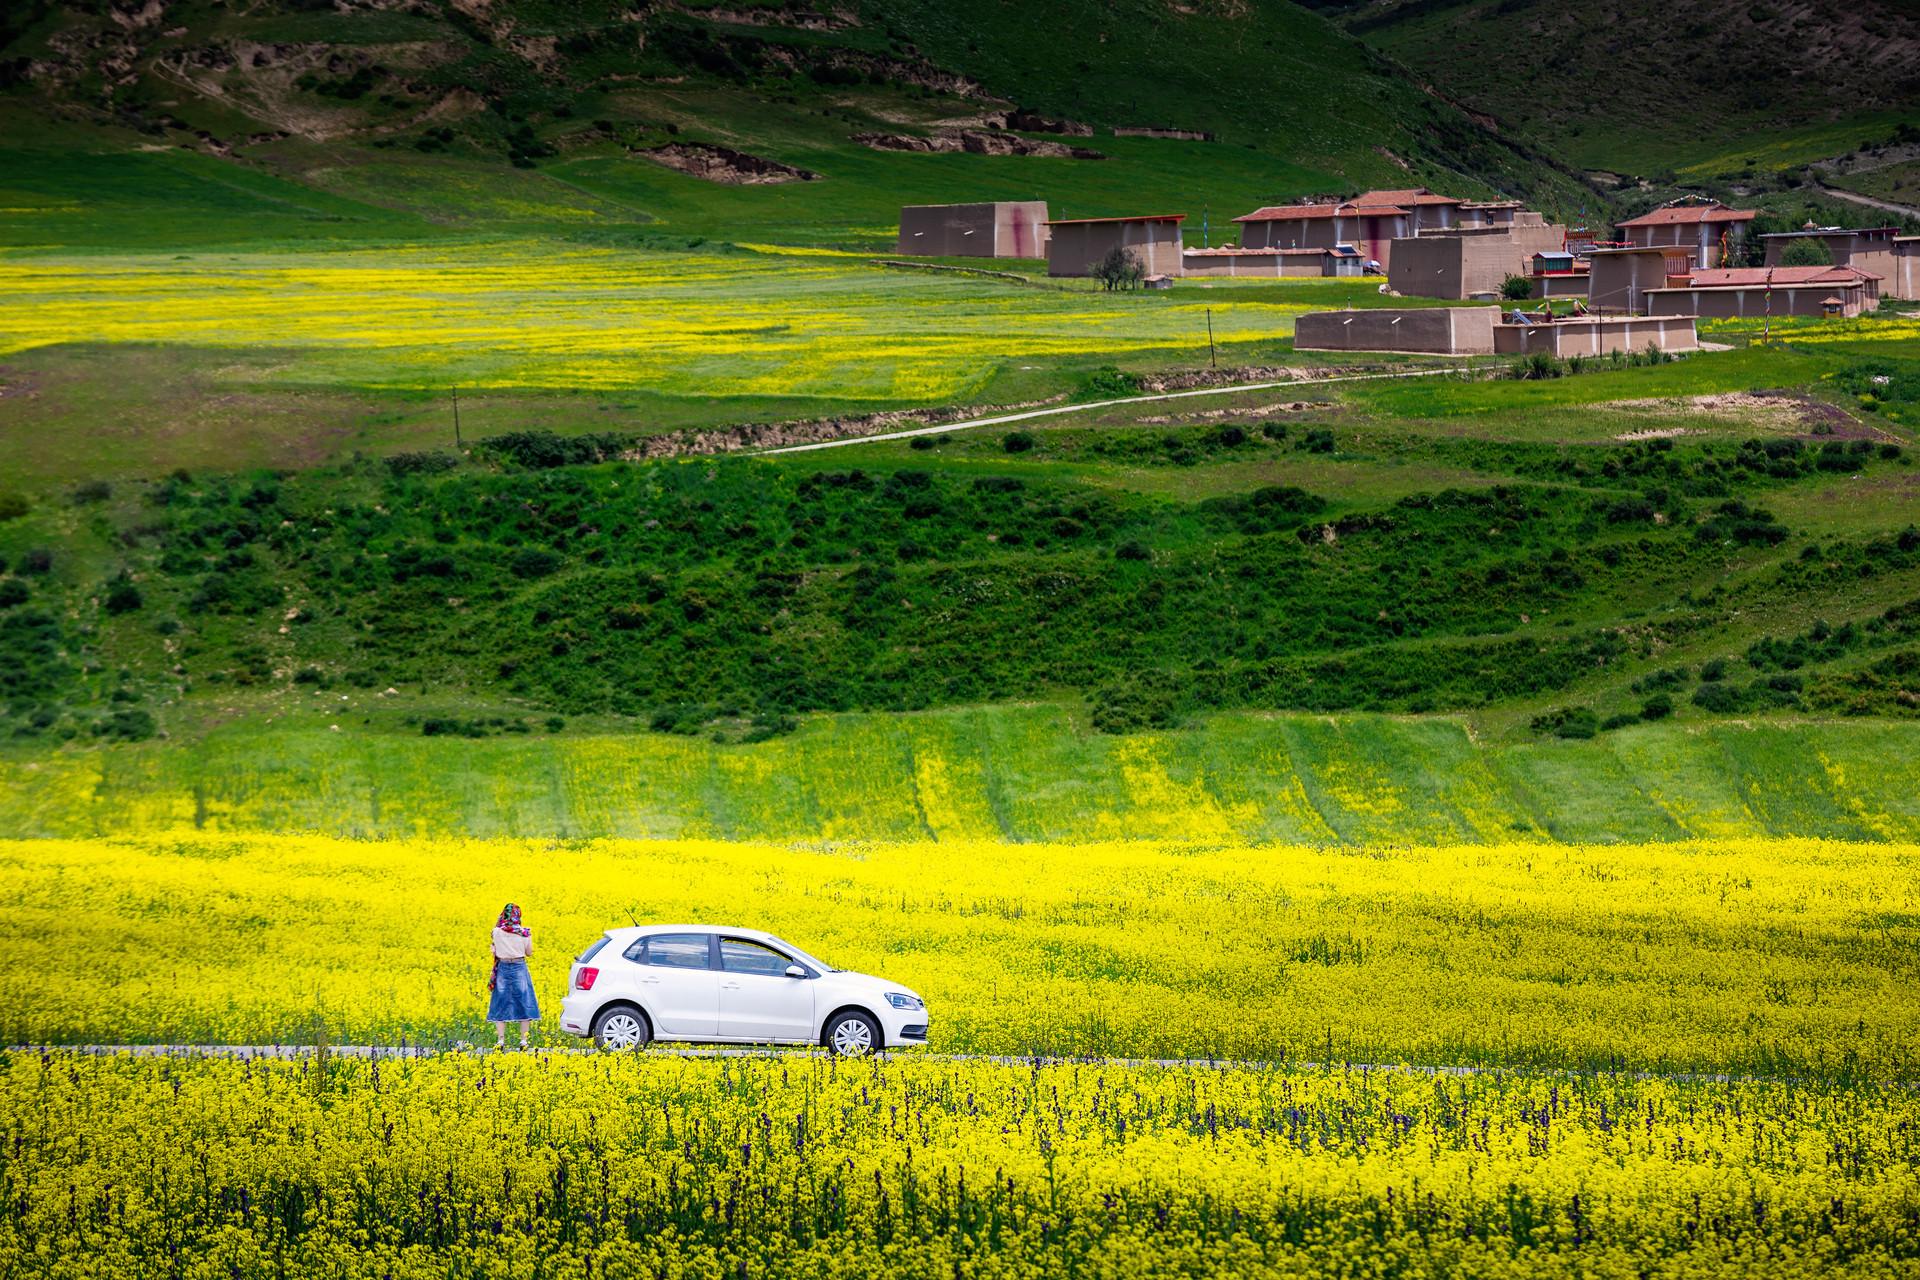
(572, 1167)
(544, 315)
(1774, 957)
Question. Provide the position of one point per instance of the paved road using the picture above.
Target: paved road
(383, 1052)
(1905, 210)
(1030, 414)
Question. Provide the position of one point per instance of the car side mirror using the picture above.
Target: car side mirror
(795, 971)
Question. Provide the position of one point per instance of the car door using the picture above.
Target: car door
(678, 984)
(758, 1001)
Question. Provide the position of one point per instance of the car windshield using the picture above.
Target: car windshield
(800, 955)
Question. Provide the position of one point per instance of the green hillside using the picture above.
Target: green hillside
(1023, 774)
(200, 122)
(1725, 89)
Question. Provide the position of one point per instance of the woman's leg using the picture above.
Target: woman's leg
(500, 1034)
(525, 1024)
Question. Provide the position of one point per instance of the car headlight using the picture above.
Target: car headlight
(901, 1000)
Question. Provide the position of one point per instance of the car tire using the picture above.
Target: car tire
(621, 1027)
(852, 1035)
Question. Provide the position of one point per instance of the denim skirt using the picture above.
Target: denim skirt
(513, 994)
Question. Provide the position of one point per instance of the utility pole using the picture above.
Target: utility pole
(1213, 358)
(456, 419)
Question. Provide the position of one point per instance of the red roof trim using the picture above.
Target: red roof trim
(1689, 214)
(1141, 217)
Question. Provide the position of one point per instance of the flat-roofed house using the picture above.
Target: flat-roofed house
(1619, 279)
(1559, 273)
(1427, 211)
(1868, 248)
(1488, 213)
(1270, 263)
(996, 229)
(1076, 245)
(1370, 229)
(1705, 229)
(1904, 281)
(1470, 262)
(1719, 293)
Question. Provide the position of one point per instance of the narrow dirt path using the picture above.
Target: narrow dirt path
(1031, 414)
(1854, 197)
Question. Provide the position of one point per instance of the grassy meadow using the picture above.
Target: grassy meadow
(1024, 775)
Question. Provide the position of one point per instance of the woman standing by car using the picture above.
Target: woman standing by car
(512, 987)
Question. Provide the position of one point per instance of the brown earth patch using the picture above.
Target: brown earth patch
(725, 165)
(1790, 411)
(773, 435)
(975, 142)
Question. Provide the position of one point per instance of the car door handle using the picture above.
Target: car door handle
(651, 982)
(729, 986)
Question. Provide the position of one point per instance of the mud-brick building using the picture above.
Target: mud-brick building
(1619, 279)
(998, 229)
(1706, 229)
(1904, 280)
(1446, 331)
(1723, 293)
(1470, 263)
(1370, 229)
(1076, 245)
(1342, 260)
(1872, 249)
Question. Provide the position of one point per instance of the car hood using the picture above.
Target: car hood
(865, 983)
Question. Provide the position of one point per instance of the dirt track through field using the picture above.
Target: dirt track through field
(1030, 414)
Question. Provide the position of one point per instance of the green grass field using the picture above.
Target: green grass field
(1019, 774)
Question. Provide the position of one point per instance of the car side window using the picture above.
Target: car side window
(737, 955)
(671, 951)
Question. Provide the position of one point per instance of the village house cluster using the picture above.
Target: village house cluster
(1664, 270)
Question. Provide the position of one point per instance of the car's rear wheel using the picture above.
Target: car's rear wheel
(853, 1035)
(621, 1027)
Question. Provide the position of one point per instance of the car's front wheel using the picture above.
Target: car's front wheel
(853, 1035)
(621, 1027)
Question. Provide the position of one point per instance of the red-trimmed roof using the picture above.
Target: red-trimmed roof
(1289, 212)
(1308, 212)
(1228, 251)
(1138, 217)
(1750, 277)
(1411, 195)
(1690, 213)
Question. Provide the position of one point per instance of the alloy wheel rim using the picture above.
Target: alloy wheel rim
(852, 1037)
(622, 1031)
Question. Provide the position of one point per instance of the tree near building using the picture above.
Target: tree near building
(1806, 252)
(1516, 288)
(1119, 269)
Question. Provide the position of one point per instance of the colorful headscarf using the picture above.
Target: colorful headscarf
(509, 922)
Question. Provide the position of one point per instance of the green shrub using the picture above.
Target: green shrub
(1516, 288)
(1806, 252)
(122, 596)
(1107, 383)
(1017, 441)
(128, 724)
(1658, 707)
(1566, 722)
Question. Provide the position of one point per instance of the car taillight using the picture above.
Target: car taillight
(583, 981)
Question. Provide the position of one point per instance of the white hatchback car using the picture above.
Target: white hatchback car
(706, 983)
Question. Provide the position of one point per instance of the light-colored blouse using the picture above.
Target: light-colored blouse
(511, 946)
